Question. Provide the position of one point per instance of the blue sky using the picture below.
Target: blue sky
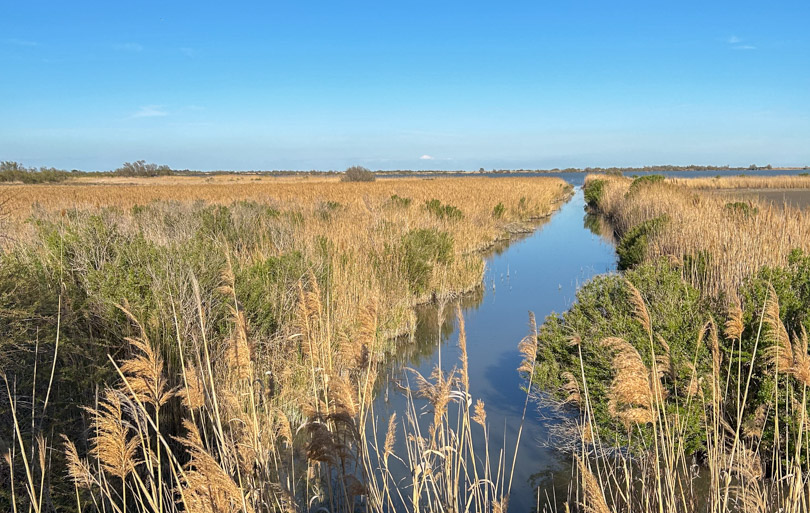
(417, 85)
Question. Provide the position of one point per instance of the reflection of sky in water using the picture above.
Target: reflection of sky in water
(539, 273)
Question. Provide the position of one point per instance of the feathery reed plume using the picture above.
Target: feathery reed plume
(342, 396)
(801, 360)
(594, 498)
(194, 393)
(78, 469)
(207, 487)
(528, 348)
(144, 371)
(630, 392)
(238, 356)
(462, 344)
(571, 387)
(780, 353)
(480, 414)
(639, 308)
(390, 437)
(438, 393)
(111, 442)
(734, 324)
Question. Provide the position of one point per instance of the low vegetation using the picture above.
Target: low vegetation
(800, 181)
(222, 356)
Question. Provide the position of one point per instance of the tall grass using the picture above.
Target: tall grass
(239, 449)
(223, 357)
(736, 470)
(718, 245)
(747, 182)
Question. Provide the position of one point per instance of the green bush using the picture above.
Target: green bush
(603, 309)
(399, 201)
(422, 249)
(742, 208)
(632, 247)
(498, 211)
(593, 191)
(441, 211)
(642, 181)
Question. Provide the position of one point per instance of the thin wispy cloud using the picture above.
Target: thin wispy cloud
(129, 47)
(21, 42)
(737, 43)
(150, 111)
(425, 157)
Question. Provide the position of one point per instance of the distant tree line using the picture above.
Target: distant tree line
(16, 172)
(141, 168)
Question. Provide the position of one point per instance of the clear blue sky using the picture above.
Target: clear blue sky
(439, 85)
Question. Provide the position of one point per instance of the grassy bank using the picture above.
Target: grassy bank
(687, 374)
(214, 348)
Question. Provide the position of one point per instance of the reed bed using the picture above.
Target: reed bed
(223, 357)
(720, 242)
(746, 182)
(755, 455)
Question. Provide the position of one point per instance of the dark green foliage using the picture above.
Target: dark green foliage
(642, 181)
(593, 191)
(742, 208)
(603, 309)
(441, 211)
(498, 211)
(632, 247)
(422, 249)
(358, 174)
(267, 290)
(15, 172)
(399, 201)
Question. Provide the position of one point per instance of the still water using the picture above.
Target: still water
(541, 274)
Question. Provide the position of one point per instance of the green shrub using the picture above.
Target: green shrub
(645, 180)
(593, 191)
(441, 211)
(399, 201)
(632, 247)
(422, 249)
(742, 208)
(498, 211)
(603, 309)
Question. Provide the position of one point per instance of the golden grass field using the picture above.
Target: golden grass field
(746, 182)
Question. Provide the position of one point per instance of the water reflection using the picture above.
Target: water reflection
(538, 272)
